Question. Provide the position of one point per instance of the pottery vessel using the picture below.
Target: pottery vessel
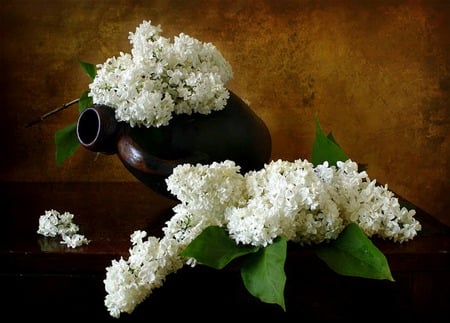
(150, 154)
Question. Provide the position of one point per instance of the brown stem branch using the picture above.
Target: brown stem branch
(48, 114)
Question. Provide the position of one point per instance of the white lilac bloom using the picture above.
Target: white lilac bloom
(159, 78)
(373, 207)
(48, 223)
(53, 223)
(303, 203)
(74, 240)
(66, 227)
(123, 290)
(129, 281)
(211, 187)
(285, 199)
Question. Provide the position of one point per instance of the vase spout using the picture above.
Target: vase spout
(98, 129)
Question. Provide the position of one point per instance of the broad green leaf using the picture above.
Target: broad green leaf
(85, 101)
(89, 68)
(214, 248)
(325, 148)
(263, 273)
(66, 141)
(353, 254)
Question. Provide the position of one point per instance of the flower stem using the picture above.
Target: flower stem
(48, 114)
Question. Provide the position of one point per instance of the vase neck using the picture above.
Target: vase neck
(98, 129)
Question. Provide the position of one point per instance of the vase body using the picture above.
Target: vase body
(150, 154)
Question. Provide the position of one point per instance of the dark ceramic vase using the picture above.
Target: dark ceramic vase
(150, 154)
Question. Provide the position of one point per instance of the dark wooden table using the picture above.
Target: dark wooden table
(47, 280)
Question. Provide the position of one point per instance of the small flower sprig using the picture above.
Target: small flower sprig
(54, 223)
(223, 215)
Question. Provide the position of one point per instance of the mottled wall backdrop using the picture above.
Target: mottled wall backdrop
(376, 73)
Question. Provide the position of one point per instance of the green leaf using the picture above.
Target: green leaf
(66, 141)
(353, 254)
(89, 68)
(214, 248)
(263, 273)
(85, 101)
(325, 148)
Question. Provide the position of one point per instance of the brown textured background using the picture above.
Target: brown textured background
(376, 73)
